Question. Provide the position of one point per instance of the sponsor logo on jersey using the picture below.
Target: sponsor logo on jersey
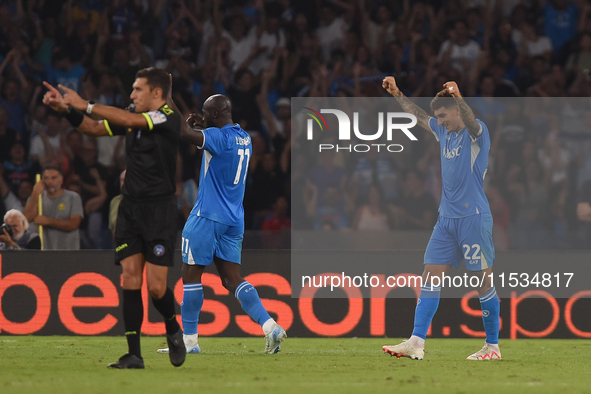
(450, 154)
(157, 117)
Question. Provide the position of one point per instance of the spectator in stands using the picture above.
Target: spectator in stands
(276, 226)
(373, 215)
(501, 214)
(64, 72)
(327, 174)
(62, 211)
(45, 145)
(531, 45)
(279, 218)
(91, 225)
(271, 39)
(22, 237)
(24, 192)
(14, 97)
(560, 22)
(91, 177)
(8, 136)
(459, 51)
(265, 185)
(415, 209)
(584, 211)
(114, 205)
(329, 212)
(331, 31)
(243, 41)
(244, 104)
(530, 196)
(374, 168)
(8, 199)
(73, 145)
(17, 169)
(580, 59)
(36, 117)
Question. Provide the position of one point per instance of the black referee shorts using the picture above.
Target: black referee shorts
(147, 227)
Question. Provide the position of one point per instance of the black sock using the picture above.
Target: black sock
(165, 306)
(133, 316)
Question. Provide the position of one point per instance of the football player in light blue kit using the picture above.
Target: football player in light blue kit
(214, 230)
(464, 229)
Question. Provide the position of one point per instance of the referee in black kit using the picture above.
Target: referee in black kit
(146, 226)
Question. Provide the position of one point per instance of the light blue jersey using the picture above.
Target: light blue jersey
(464, 160)
(222, 180)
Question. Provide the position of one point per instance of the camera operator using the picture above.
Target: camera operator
(15, 232)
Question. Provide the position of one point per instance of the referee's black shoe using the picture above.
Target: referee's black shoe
(176, 348)
(128, 361)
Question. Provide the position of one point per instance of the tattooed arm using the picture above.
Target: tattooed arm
(407, 105)
(466, 113)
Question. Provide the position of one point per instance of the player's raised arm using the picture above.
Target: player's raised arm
(191, 132)
(389, 83)
(466, 112)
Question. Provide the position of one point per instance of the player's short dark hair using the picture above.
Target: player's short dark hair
(443, 99)
(157, 78)
(53, 166)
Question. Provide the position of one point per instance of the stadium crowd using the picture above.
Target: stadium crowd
(262, 52)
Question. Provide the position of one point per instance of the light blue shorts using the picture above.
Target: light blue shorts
(204, 238)
(457, 239)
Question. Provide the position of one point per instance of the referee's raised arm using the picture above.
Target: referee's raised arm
(85, 124)
(114, 115)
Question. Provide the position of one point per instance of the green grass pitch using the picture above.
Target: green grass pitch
(31, 364)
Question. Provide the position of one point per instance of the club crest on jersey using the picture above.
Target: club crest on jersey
(159, 250)
(450, 154)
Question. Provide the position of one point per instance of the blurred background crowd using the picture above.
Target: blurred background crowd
(263, 52)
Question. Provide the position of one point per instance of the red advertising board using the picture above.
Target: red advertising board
(78, 293)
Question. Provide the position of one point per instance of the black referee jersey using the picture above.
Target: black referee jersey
(151, 154)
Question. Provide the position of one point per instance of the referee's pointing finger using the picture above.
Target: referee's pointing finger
(49, 87)
(65, 89)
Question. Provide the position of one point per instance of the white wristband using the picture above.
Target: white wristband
(89, 107)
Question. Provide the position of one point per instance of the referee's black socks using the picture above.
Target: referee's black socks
(165, 306)
(133, 315)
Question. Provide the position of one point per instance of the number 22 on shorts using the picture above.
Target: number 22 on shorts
(475, 255)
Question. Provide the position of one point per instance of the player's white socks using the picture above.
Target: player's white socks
(417, 341)
(190, 340)
(268, 326)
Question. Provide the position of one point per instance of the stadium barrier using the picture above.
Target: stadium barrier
(77, 293)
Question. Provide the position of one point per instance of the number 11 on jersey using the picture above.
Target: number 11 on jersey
(242, 153)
